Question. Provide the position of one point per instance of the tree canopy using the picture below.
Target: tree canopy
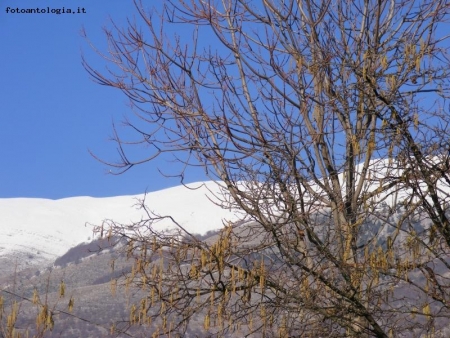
(326, 123)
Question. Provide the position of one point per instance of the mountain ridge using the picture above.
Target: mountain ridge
(36, 231)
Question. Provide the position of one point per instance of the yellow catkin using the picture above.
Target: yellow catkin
(50, 322)
(305, 288)
(143, 311)
(392, 81)
(171, 299)
(152, 296)
(418, 63)
(154, 244)
(42, 317)
(144, 282)
(384, 62)
(71, 303)
(427, 311)
(391, 333)
(12, 318)
(206, 322)
(133, 314)
(194, 273)
(35, 298)
(154, 272)
(263, 312)
(113, 286)
(407, 52)
(62, 289)
(203, 258)
(220, 315)
(241, 273)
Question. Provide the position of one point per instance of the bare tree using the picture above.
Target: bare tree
(326, 124)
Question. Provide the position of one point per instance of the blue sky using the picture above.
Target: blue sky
(52, 113)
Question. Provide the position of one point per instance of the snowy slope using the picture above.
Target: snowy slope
(39, 230)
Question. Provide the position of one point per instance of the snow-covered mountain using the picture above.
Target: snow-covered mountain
(35, 231)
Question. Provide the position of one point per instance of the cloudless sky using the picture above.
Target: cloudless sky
(52, 113)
